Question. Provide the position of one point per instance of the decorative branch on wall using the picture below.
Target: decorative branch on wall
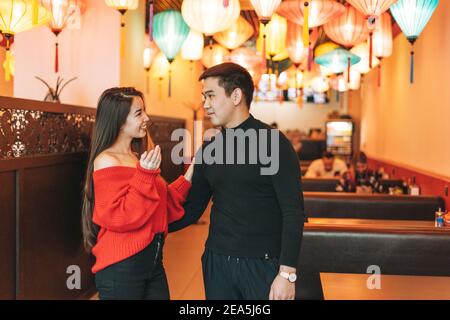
(54, 93)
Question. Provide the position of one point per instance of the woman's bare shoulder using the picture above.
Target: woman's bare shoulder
(106, 159)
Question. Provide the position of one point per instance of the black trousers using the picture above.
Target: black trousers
(139, 277)
(234, 278)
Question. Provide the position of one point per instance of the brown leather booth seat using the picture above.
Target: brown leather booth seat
(351, 246)
(373, 206)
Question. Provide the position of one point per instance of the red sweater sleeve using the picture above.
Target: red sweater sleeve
(122, 205)
(177, 192)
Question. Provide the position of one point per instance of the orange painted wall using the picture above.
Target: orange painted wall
(410, 124)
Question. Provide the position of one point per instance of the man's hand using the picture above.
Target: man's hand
(190, 171)
(281, 288)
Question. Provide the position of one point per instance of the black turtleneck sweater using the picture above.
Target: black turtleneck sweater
(253, 215)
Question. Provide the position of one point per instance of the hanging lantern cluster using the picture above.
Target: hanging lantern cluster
(412, 16)
(210, 16)
(19, 16)
(372, 10)
(298, 53)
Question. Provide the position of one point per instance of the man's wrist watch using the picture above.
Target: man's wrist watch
(291, 277)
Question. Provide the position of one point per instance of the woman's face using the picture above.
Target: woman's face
(137, 120)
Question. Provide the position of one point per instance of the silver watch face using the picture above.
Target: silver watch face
(292, 277)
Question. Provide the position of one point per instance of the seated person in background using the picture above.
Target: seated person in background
(360, 178)
(316, 133)
(327, 167)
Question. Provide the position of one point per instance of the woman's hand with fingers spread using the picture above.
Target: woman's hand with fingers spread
(151, 160)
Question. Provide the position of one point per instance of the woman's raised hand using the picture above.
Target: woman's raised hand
(151, 160)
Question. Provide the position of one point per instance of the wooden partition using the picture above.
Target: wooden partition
(43, 153)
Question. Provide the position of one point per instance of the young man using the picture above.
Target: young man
(257, 214)
(327, 167)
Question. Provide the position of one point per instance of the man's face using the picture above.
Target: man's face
(361, 167)
(328, 163)
(218, 106)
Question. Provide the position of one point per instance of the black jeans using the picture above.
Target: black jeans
(139, 277)
(234, 278)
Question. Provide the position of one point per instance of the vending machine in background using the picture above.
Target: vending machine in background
(339, 137)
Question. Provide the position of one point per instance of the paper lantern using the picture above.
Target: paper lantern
(265, 9)
(61, 11)
(337, 60)
(122, 6)
(348, 29)
(214, 55)
(149, 55)
(325, 48)
(275, 32)
(298, 53)
(362, 51)
(382, 36)
(18, 16)
(355, 76)
(169, 32)
(310, 14)
(235, 36)
(320, 84)
(339, 83)
(244, 57)
(210, 16)
(192, 48)
(412, 16)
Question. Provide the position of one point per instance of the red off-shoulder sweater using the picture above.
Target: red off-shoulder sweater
(131, 205)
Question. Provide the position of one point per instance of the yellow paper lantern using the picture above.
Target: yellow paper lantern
(192, 48)
(210, 16)
(18, 16)
(325, 48)
(214, 55)
(363, 51)
(160, 66)
(235, 36)
(276, 31)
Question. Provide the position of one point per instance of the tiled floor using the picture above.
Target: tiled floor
(182, 253)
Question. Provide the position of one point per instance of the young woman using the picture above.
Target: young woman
(127, 205)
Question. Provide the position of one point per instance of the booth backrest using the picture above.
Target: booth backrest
(373, 206)
(354, 246)
(329, 185)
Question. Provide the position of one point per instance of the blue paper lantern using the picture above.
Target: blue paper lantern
(169, 32)
(412, 16)
(337, 60)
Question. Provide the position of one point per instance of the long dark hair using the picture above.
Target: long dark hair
(112, 111)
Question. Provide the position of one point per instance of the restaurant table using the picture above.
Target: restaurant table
(344, 286)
